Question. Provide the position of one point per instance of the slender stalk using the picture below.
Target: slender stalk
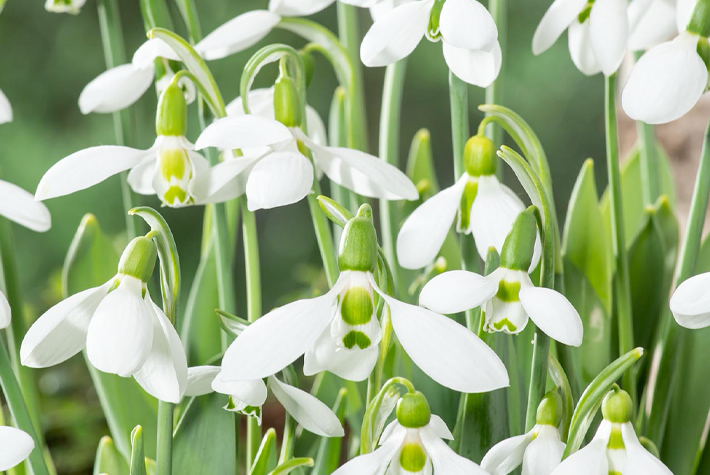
(164, 459)
(623, 288)
(18, 409)
(494, 92)
(323, 236)
(458, 98)
(337, 137)
(650, 180)
(389, 152)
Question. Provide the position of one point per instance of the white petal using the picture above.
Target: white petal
(580, 49)
(423, 233)
(277, 339)
(86, 168)
(279, 179)
(609, 33)
(298, 7)
(395, 35)
(246, 131)
(5, 312)
(164, 373)
(666, 82)
(222, 176)
(115, 89)
(5, 109)
(639, 461)
(237, 34)
(448, 352)
(650, 24)
(444, 459)
(363, 173)
(591, 460)
(381, 8)
(353, 365)
(553, 314)
(252, 393)
(151, 50)
(440, 428)
(477, 67)
(468, 24)
(684, 11)
(199, 380)
(16, 447)
(556, 20)
(20, 206)
(544, 453)
(690, 302)
(316, 127)
(121, 331)
(307, 410)
(261, 103)
(506, 455)
(459, 290)
(374, 463)
(140, 178)
(60, 333)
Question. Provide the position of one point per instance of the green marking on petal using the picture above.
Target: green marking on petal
(412, 458)
(505, 323)
(613, 472)
(582, 17)
(175, 195)
(467, 199)
(508, 291)
(173, 164)
(357, 307)
(356, 338)
(616, 441)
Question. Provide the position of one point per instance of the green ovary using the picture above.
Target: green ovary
(356, 338)
(412, 458)
(357, 307)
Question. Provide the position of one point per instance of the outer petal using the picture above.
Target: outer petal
(666, 82)
(60, 333)
(86, 168)
(506, 455)
(395, 35)
(5, 109)
(16, 447)
(374, 463)
(121, 331)
(251, 393)
(308, 411)
(468, 24)
(353, 365)
(237, 34)
(477, 67)
(556, 20)
(690, 302)
(246, 131)
(19, 206)
(652, 22)
(440, 428)
(544, 453)
(553, 314)
(459, 290)
(591, 460)
(151, 50)
(115, 89)
(164, 373)
(140, 178)
(222, 176)
(580, 48)
(279, 179)
(199, 380)
(382, 7)
(448, 352)
(640, 461)
(445, 460)
(298, 7)
(5, 312)
(684, 11)
(277, 339)
(423, 233)
(609, 33)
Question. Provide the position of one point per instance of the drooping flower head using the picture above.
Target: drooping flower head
(64, 6)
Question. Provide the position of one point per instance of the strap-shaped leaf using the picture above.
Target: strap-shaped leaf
(265, 459)
(336, 212)
(137, 452)
(559, 377)
(109, 459)
(292, 464)
(231, 324)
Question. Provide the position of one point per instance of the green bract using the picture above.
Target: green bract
(413, 410)
(138, 260)
(358, 244)
(171, 118)
(479, 156)
(517, 252)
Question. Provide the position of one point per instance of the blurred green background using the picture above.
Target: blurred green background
(48, 58)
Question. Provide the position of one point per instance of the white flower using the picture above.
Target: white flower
(5, 109)
(467, 30)
(690, 302)
(16, 447)
(64, 6)
(651, 22)
(667, 81)
(247, 397)
(508, 298)
(279, 174)
(598, 33)
(539, 452)
(19, 206)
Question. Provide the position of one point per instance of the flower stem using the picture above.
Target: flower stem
(651, 186)
(323, 235)
(164, 459)
(623, 288)
(494, 92)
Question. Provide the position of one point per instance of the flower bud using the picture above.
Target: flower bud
(479, 156)
(287, 104)
(699, 23)
(138, 259)
(617, 406)
(413, 410)
(549, 412)
(171, 118)
(519, 245)
(358, 244)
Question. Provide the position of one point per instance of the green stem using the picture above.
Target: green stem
(494, 92)
(323, 235)
(458, 98)
(18, 409)
(189, 14)
(538, 375)
(164, 459)
(623, 288)
(650, 179)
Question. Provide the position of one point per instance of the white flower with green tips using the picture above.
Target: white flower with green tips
(247, 398)
(64, 6)
(615, 448)
(339, 331)
(16, 446)
(507, 295)
(480, 204)
(414, 443)
(539, 451)
(123, 331)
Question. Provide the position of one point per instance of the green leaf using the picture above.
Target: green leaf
(558, 376)
(329, 448)
(231, 324)
(265, 460)
(336, 212)
(420, 163)
(292, 464)
(137, 452)
(108, 459)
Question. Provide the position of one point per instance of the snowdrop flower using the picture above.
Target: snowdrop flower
(690, 302)
(16, 446)
(598, 33)
(339, 331)
(5, 109)
(468, 33)
(486, 209)
(19, 206)
(278, 173)
(539, 451)
(247, 397)
(651, 22)
(413, 443)
(615, 447)
(123, 331)
(64, 6)
(170, 169)
(507, 295)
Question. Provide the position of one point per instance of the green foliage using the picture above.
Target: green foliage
(265, 459)
(137, 452)
(328, 456)
(108, 459)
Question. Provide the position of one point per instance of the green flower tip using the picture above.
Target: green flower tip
(413, 410)
(517, 252)
(549, 412)
(171, 118)
(138, 259)
(617, 406)
(358, 244)
(479, 156)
